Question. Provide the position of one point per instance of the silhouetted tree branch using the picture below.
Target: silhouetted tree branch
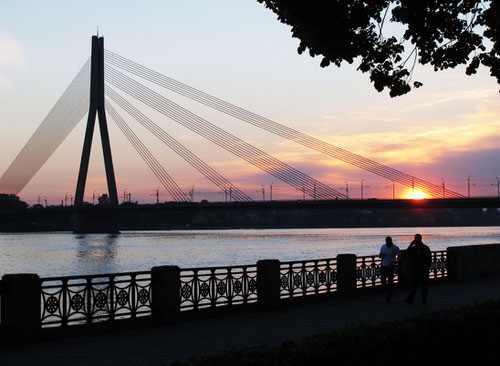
(442, 33)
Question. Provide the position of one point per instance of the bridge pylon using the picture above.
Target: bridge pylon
(96, 109)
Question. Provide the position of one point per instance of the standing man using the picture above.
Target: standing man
(388, 253)
(419, 260)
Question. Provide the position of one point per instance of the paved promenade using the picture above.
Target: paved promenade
(160, 345)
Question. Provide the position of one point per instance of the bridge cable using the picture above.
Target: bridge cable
(220, 137)
(70, 108)
(186, 116)
(210, 173)
(276, 128)
(375, 166)
(167, 181)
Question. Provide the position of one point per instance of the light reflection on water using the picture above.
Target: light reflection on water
(58, 254)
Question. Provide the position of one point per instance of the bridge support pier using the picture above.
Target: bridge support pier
(96, 109)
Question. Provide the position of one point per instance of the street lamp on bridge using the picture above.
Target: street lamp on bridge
(468, 186)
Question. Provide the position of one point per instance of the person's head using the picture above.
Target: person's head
(388, 241)
(418, 238)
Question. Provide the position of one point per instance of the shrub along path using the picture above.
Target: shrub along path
(159, 345)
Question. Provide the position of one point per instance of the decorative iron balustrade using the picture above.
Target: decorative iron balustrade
(438, 268)
(368, 271)
(312, 277)
(106, 297)
(213, 287)
(94, 298)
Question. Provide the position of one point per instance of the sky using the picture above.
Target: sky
(238, 51)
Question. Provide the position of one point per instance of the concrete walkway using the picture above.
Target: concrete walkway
(160, 345)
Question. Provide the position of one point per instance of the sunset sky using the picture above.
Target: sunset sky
(236, 50)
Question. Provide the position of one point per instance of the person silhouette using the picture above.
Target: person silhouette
(388, 252)
(418, 259)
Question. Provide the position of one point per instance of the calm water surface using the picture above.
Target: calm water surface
(60, 254)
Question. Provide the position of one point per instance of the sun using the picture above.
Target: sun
(416, 195)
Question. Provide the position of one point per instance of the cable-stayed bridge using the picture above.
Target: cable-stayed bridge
(103, 89)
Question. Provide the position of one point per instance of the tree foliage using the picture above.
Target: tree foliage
(442, 33)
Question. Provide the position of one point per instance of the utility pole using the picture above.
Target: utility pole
(468, 186)
(96, 109)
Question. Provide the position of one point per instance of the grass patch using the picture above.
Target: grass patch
(463, 336)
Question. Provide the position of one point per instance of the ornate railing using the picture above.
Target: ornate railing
(438, 267)
(107, 297)
(303, 278)
(94, 298)
(213, 287)
(368, 271)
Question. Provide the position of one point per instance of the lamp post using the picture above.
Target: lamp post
(271, 191)
(362, 180)
(263, 189)
(498, 187)
(442, 184)
(347, 189)
(468, 186)
(125, 195)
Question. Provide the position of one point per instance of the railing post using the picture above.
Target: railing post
(268, 283)
(346, 274)
(21, 306)
(461, 262)
(166, 299)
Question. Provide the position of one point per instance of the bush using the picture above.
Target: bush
(466, 335)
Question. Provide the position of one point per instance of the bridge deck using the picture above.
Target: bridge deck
(155, 345)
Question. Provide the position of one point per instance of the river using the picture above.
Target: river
(64, 253)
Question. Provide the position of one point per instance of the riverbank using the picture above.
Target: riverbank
(256, 215)
(159, 345)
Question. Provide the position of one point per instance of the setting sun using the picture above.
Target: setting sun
(416, 195)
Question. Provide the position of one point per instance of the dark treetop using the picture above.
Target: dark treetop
(442, 33)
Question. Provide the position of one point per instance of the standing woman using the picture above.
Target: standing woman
(388, 253)
(420, 258)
